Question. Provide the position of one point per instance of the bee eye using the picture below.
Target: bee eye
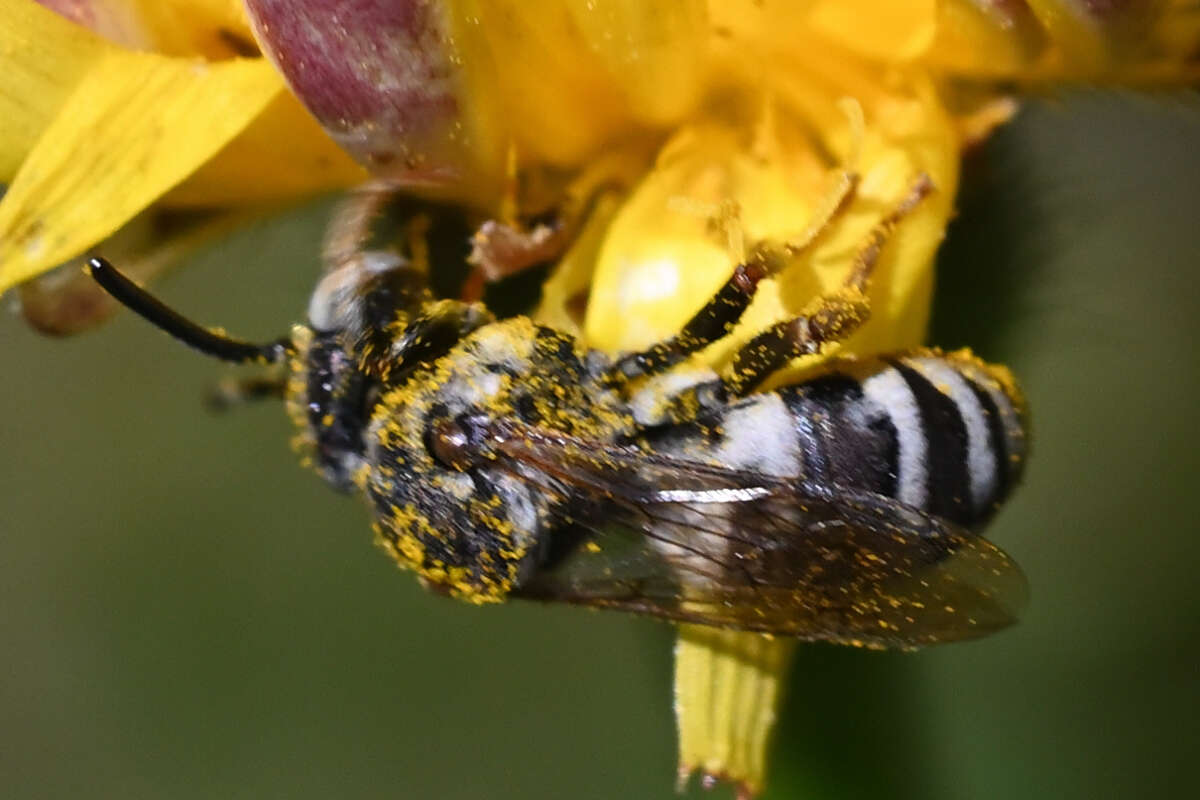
(457, 443)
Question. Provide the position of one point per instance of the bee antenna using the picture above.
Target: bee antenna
(154, 311)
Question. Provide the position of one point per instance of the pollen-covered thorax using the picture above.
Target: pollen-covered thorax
(465, 521)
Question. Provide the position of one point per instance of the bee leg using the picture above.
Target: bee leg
(722, 312)
(351, 229)
(835, 317)
(711, 323)
(427, 337)
(232, 392)
(831, 318)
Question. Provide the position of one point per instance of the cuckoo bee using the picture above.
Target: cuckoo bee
(502, 458)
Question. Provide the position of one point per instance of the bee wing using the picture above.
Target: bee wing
(693, 542)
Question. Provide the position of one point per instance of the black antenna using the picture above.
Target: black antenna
(150, 308)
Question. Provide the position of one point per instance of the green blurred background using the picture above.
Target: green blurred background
(185, 613)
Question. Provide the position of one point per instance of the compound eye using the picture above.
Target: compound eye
(456, 443)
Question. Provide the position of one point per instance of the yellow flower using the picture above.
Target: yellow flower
(164, 105)
(174, 110)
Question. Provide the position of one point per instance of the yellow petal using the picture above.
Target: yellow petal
(44, 57)
(214, 29)
(254, 168)
(1128, 42)
(660, 261)
(561, 79)
(1069, 40)
(565, 292)
(890, 30)
(66, 301)
(211, 28)
(728, 686)
(135, 126)
(987, 38)
(881, 29)
(655, 52)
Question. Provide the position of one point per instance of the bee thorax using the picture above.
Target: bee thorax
(446, 507)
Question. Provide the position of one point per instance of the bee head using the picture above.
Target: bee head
(330, 391)
(329, 399)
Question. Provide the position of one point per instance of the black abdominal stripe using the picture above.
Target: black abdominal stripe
(940, 432)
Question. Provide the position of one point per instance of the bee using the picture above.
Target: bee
(504, 459)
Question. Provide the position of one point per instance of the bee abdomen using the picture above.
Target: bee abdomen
(941, 432)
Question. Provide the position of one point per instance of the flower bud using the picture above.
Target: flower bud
(435, 93)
